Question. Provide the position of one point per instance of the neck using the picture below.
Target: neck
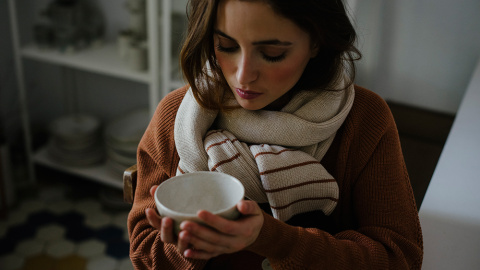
(280, 102)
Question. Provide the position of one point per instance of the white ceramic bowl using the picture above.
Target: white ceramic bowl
(181, 197)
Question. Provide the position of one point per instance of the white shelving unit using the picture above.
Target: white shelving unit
(105, 61)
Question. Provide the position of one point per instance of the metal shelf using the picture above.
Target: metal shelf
(103, 60)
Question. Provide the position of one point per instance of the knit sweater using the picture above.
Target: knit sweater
(375, 224)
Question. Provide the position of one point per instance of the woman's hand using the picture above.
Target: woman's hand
(165, 226)
(223, 236)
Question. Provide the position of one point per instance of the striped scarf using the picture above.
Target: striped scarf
(275, 154)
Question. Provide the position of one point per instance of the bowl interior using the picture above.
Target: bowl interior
(212, 191)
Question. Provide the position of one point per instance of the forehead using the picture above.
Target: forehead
(253, 20)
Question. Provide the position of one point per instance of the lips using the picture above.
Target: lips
(245, 94)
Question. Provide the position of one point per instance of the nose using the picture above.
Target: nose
(247, 70)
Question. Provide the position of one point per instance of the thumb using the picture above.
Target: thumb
(153, 189)
(248, 208)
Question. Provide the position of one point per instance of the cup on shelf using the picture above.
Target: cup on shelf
(138, 23)
(137, 56)
(123, 42)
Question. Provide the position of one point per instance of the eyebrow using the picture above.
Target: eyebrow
(261, 42)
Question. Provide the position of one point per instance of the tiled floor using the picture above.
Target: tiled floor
(65, 223)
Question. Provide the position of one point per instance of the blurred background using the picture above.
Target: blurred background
(78, 76)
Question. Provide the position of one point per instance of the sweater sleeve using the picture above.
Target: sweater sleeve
(386, 233)
(156, 161)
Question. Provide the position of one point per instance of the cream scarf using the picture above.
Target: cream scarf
(275, 154)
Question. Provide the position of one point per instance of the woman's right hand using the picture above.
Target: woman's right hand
(165, 226)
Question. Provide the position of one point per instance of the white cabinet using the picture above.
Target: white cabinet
(103, 61)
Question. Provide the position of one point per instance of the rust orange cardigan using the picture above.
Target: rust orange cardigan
(374, 226)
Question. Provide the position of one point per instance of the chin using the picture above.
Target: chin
(251, 106)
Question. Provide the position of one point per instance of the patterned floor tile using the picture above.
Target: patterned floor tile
(63, 225)
(21, 232)
(55, 193)
(60, 207)
(102, 263)
(11, 261)
(42, 218)
(97, 220)
(39, 262)
(118, 249)
(50, 233)
(72, 262)
(17, 217)
(125, 264)
(32, 205)
(88, 206)
(91, 248)
(29, 247)
(60, 248)
(120, 220)
(3, 229)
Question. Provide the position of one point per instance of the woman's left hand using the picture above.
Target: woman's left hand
(224, 236)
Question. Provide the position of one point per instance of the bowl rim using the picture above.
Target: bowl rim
(177, 177)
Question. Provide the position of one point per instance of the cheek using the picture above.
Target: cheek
(224, 64)
(287, 74)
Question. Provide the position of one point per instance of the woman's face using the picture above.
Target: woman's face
(262, 54)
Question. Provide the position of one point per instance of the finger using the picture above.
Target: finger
(183, 241)
(166, 230)
(152, 190)
(198, 254)
(216, 247)
(248, 208)
(206, 238)
(217, 222)
(153, 218)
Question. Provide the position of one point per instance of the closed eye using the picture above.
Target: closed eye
(226, 49)
(273, 59)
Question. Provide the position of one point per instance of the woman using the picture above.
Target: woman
(271, 101)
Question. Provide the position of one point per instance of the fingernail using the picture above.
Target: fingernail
(187, 253)
(184, 226)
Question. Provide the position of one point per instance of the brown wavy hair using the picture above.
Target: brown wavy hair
(326, 21)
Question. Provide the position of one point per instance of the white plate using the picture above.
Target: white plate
(87, 157)
(116, 167)
(121, 159)
(129, 128)
(77, 127)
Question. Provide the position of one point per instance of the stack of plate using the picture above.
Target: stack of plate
(76, 140)
(122, 136)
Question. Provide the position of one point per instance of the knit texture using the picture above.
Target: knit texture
(375, 224)
(291, 180)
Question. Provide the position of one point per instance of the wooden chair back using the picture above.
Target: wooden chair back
(129, 183)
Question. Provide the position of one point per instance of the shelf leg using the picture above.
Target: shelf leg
(22, 92)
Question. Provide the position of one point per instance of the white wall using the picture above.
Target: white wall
(421, 53)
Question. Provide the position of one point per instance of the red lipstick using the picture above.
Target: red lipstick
(245, 94)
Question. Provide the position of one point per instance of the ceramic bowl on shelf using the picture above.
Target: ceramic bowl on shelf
(122, 136)
(76, 127)
(127, 129)
(75, 140)
(86, 157)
